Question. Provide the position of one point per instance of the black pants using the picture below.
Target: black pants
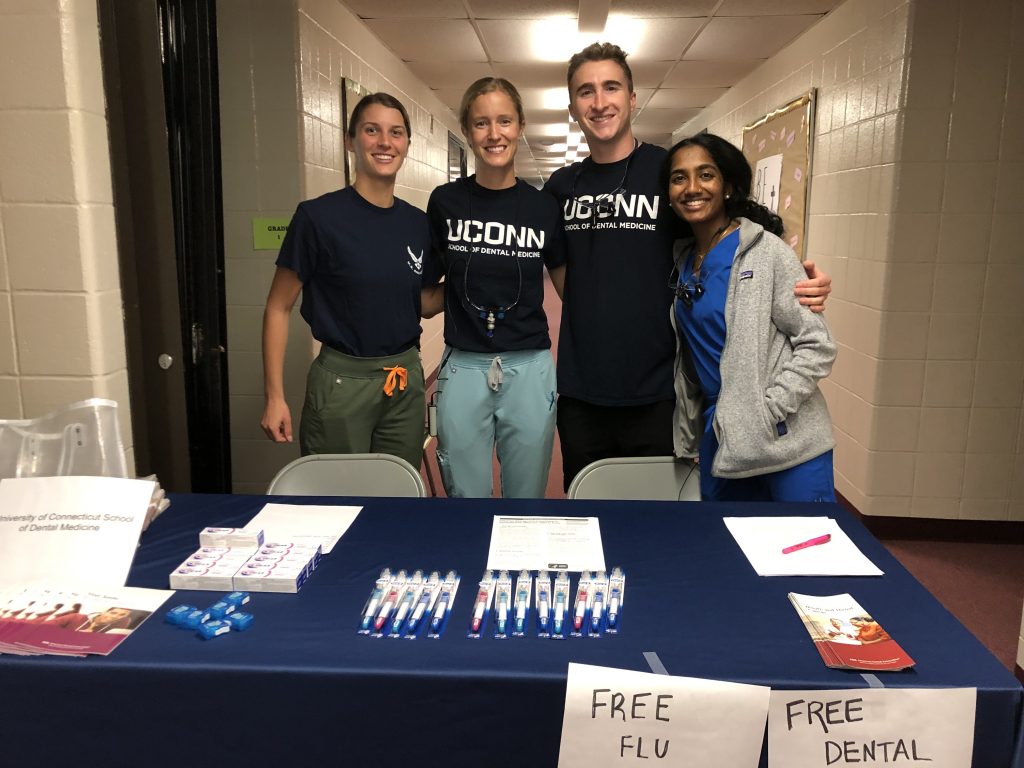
(588, 432)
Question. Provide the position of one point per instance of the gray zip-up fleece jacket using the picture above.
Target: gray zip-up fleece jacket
(770, 414)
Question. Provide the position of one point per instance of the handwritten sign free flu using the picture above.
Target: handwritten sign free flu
(619, 717)
(926, 727)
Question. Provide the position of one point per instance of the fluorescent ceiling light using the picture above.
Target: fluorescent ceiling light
(557, 39)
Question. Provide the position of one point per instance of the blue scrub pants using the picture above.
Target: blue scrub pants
(812, 480)
(505, 400)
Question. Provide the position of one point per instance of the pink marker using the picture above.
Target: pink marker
(809, 543)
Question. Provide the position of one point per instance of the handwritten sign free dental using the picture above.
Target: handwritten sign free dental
(619, 717)
(927, 727)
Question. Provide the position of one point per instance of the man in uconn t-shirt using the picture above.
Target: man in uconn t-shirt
(616, 345)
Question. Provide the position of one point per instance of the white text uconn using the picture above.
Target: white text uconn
(586, 207)
(494, 233)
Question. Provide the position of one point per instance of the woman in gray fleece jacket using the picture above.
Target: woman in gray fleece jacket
(749, 356)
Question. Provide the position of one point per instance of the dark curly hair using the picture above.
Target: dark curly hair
(736, 174)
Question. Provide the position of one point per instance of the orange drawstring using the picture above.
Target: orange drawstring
(397, 375)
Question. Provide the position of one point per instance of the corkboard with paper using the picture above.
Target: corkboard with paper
(778, 148)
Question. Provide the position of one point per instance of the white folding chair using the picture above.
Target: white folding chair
(661, 478)
(351, 474)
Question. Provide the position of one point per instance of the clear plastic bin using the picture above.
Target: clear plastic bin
(82, 438)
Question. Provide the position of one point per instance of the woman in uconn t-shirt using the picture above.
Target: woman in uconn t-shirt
(357, 257)
(494, 235)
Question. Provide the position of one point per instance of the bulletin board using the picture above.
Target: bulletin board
(778, 148)
(351, 93)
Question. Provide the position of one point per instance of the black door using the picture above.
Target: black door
(160, 77)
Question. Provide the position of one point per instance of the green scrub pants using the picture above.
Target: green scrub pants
(348, 411)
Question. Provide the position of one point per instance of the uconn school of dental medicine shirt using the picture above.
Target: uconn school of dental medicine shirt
(491, 247)
(616, 345)
(361, 269)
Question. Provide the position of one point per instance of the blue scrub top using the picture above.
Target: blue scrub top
(703, 323)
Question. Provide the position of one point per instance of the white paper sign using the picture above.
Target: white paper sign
(767, 182)
(545, 543)
(916, 726)
(618, 717)
(762, 540)
(295, 523)
(70, 530)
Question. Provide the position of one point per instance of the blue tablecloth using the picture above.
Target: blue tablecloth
(302, 686)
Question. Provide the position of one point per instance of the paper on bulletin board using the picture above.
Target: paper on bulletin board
(268, 233)
(912, 726)
(618, 717)
(545, 543)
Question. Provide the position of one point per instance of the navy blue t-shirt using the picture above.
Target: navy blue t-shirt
(491, 246)
(616, 345)
(361, 269)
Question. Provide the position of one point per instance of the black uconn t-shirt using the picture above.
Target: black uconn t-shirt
(491, 246)
(361, 268)
(616, 345)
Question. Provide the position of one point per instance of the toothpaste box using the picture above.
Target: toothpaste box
(210, 568)
(231, 537)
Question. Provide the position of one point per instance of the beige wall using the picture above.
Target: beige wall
(61, 324)
(913, 213)
(281, 66)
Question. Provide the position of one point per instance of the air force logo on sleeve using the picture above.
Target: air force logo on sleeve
(415, 262)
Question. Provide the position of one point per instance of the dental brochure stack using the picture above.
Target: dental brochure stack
(846, 636)
(404, 605)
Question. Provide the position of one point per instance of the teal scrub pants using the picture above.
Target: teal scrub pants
(505, 400)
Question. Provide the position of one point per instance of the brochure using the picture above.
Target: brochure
(70, 530)
(846, 636)
(73, 622)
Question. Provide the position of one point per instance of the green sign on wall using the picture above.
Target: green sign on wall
(268, 234)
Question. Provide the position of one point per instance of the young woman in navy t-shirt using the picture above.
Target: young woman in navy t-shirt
(493, 236)
(357, 257)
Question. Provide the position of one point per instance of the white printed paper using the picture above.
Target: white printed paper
(619, 717)
(296, 523)
(546, 543)
(908, 726)
(762, 540)
(768, 181)
(70, 530)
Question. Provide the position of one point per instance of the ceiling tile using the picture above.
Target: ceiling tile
(393, 9)
(649, 74)
(440, 40)
(451, 97)
(438, 74)
(787, 8)
(685, 98)
(663, 119)
(664, 39)
(509, 39)
(747, 37)
(522, 9)
(646, 8)
(709, 73)
(533, 74)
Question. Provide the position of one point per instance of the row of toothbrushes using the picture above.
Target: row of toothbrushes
(401, 605)
(596, 609)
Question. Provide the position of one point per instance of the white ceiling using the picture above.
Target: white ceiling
(684, 53)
